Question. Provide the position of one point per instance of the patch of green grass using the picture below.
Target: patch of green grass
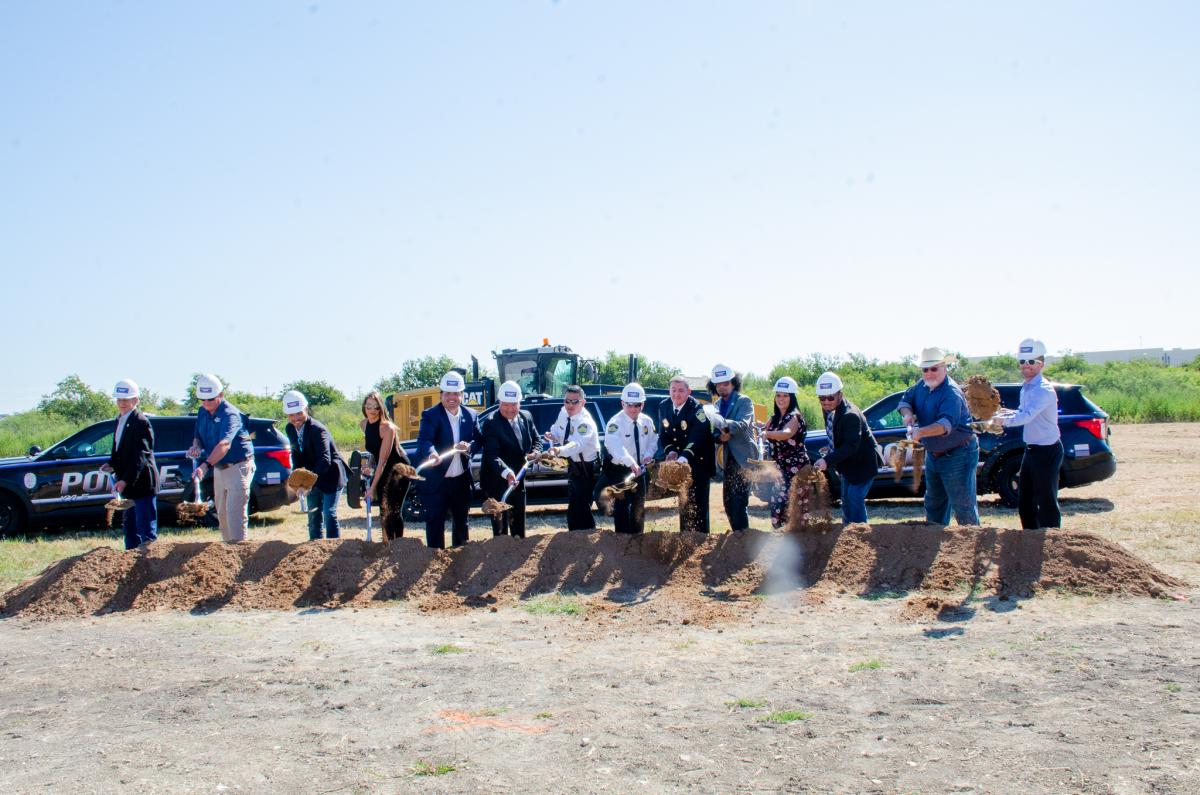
(752, 641)
(544, 715)
(489, 712)
(786, 716)
(553, 604)
(424, 768)
(747, 703)
(866, 665)
(448, 648)
(683, 644)
(875, 596)
(1173, 687)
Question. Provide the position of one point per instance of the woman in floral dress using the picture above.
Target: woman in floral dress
(786, 431)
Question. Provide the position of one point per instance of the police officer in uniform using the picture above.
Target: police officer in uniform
(510, 439)
(685, 435)
(447, 486)
(630, 442)
(575, 437)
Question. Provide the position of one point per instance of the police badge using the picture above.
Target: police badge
(683, 425)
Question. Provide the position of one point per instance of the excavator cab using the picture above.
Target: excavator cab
(546, 371)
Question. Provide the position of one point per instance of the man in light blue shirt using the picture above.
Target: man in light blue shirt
(1037, 484)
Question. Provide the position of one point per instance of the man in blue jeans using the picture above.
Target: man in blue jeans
(938, 409)
(851, 448)
(313, 449)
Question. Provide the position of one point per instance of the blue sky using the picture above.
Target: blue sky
(275, 191)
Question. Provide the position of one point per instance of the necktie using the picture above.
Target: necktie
(567, 433)
(517, 433)
(300, 439)
(637, 443)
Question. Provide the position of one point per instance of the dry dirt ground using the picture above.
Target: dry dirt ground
(1054, 693)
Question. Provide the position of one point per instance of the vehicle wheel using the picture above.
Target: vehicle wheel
(414, 511)
(12, 516)
(1005, 480)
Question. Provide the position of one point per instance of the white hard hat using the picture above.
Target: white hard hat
(722, 373)
(452, 382)
(208, 386)
(828, 384)
(1031, 349)
(294, 402)
(633, 393)
(510, 392)
(126, 388)
(787, 384)
(935, 356)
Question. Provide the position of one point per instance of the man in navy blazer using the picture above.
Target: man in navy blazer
(447, 484)
(135, 473)
(510, 439)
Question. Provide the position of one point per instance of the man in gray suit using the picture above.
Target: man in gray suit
(732, 418)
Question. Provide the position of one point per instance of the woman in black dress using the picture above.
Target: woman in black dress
(388, 487)
(786, 431)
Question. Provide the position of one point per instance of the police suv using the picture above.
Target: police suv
(64, 483)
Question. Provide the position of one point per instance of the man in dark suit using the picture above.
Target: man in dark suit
(685, 435)
(313, 449)
(447, 484)
(134, 470)
(509, 440)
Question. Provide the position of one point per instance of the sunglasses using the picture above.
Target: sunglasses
(933, 369)
(1027, 361)
(634, 405)
(574, 402)
(826, 398)
(371, 407)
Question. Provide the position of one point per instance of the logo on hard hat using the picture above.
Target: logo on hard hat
(720, 373)
(295, 404)
(1026, 349)
(123, 390)
(510, 393)
(826, 385)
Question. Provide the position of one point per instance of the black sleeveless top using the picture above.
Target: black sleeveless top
(374, 442)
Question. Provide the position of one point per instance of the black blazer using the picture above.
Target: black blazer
(853, 455)
(502, 449)
(132, 459)
(691, 436)
(319, 455)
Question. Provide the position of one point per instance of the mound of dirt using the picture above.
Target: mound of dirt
(688, 576)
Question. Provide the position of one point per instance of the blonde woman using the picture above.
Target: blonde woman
(388, 487)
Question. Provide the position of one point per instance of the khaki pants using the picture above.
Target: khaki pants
(231, 495)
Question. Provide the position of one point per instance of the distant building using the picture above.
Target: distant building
(1174, 357)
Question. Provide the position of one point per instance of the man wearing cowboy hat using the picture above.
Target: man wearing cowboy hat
(630, 442)
(510, 439)
(447, 485)
(1037, 416)
(222, 440)
(937, 411)
(732, 418)
(135, 473)
(685, 435)
(314, 450)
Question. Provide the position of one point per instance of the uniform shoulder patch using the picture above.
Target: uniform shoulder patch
(612, 427)
(582, 429)
(701, 416)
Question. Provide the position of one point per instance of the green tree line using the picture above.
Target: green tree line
(1139, 391)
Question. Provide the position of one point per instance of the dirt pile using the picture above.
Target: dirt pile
(689, 576)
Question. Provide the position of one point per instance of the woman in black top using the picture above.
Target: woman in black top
(381, 435)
